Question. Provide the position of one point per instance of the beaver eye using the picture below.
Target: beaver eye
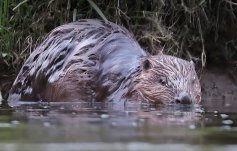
(162, 82)
(146, 64)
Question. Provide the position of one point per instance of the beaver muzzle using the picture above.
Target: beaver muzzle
(183, 98)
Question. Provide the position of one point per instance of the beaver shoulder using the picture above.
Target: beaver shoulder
(93, 60)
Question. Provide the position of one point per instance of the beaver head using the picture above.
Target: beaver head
(166, 79)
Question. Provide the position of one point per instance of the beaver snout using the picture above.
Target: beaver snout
(183, 98)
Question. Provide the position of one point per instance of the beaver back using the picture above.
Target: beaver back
(83, 60)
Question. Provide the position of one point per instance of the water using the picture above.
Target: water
(98, 126)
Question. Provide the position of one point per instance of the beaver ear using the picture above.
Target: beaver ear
(192, 63)
(146, 64)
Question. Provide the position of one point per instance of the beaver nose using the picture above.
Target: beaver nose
(183, 98)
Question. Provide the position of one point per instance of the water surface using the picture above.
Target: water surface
(99, 126)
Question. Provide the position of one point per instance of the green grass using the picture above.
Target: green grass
(179, 27)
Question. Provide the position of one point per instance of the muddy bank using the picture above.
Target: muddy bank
(7, 77)
(219, 90)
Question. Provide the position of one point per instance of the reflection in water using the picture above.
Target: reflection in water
(98, 122)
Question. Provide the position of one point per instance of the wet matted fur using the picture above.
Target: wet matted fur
(93, 60)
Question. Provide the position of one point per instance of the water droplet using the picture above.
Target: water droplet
(114, 124)
(46, 124)
(227, 104)
(104, 116)
(196, 105)
(97, 107)
(227, 122)
(45, 107)
(192, 127)
(152, 109)
(226, 127)
(224, 116)
(134, 124)
(15, 122)
(178, 113)
(141, 120)
(199, 110)
(158, 114)
(216, 112)
(172, 119)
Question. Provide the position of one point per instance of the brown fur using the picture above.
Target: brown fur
(91, 60)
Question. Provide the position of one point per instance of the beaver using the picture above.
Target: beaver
(94, 60)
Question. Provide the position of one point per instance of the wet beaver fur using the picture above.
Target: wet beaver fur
(93, 60)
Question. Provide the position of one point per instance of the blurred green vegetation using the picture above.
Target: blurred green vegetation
(202, 30)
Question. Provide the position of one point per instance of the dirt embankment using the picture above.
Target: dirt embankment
(7, 77)
(219, 90)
